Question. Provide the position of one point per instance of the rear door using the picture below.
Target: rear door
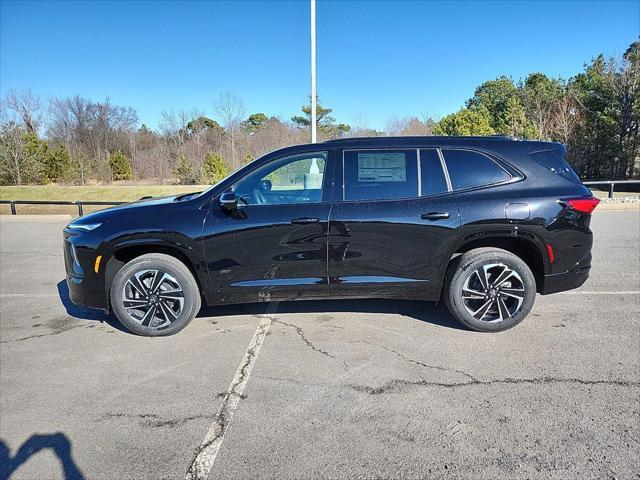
(392, 221)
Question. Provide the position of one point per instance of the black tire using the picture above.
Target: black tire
(506, 309)
(175, 300)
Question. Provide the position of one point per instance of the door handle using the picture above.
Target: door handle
(304, 220)
(435, 216)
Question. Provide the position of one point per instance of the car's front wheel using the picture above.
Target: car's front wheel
(155, 295)
(490, 289)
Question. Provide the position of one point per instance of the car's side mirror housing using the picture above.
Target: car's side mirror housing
(229, 201)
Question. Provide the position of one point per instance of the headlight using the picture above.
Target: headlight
(87, 227)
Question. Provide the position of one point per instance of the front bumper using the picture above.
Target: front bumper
(85, 287)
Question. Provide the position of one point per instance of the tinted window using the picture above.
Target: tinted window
(431, 174)
(554, 160)
(289, 180)
(380, 174)
(472, 169)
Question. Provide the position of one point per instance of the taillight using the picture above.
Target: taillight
(583, 205)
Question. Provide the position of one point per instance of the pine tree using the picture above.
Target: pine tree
(57, 165)
(120, 166)
(184, 171)
(214, 168)
(516, 122)
(465, 122)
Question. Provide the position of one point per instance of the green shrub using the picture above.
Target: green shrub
(120, 166)
(185, 172)
(57, 165)
(214, 168)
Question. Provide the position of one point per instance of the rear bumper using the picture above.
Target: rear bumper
(560, 282)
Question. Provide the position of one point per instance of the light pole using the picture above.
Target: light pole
(313, 73)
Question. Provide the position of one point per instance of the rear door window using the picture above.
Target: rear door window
(432, 176)
(380, 174)
(468, 169)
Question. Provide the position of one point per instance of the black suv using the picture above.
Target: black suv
(485, 222)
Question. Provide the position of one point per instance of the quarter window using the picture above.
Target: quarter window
(469, 169)
(431, 175)
(380, 174)
(555, 161)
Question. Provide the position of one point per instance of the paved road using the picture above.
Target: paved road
(329, 389)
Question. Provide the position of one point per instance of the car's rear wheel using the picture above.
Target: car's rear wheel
(490, 289)
(155, 295)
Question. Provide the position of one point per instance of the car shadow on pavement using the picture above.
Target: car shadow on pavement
(85, 313)
(58, 443)
(428, 312)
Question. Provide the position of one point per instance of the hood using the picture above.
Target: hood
(142, 207)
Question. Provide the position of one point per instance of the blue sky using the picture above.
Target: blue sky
(376, 59)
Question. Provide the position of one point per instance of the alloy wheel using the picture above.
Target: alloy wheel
(493, 293)
(153, 298)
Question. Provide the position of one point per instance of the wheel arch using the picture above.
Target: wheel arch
(122, 254)
(525, 245)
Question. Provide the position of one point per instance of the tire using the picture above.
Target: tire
(161, 295)
(500, 300)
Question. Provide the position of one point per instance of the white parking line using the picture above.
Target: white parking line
(30, 295)
(612, 292)
(208, 450)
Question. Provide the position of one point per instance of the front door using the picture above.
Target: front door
(391, 227)
(274, 245)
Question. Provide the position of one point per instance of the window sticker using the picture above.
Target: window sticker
(382, 167)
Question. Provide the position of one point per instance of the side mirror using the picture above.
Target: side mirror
(229, 201)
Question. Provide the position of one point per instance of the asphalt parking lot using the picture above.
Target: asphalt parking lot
(340, 389)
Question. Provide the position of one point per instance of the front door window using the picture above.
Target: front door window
(287, 181)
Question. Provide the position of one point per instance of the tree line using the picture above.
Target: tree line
(76, 140)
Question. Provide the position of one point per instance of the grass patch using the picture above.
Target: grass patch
(115, 193)
(108, 193)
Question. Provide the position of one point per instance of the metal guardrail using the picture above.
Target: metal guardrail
(611, 183)
(79, 204)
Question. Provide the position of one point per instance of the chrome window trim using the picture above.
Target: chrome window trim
(512, 178)
(445, 170)
(419, 173)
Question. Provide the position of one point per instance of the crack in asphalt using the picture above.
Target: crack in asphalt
(417, 362)
(151, 420)
(397, 384)
(309, 343)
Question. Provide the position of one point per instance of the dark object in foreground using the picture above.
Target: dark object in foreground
(485, 222)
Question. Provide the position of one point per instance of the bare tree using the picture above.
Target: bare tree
(563, 119)
(26, 106)
(20, 160)
(231, 111)
(91, 131)
(409, 126)
(360, 121)
(174, 125)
